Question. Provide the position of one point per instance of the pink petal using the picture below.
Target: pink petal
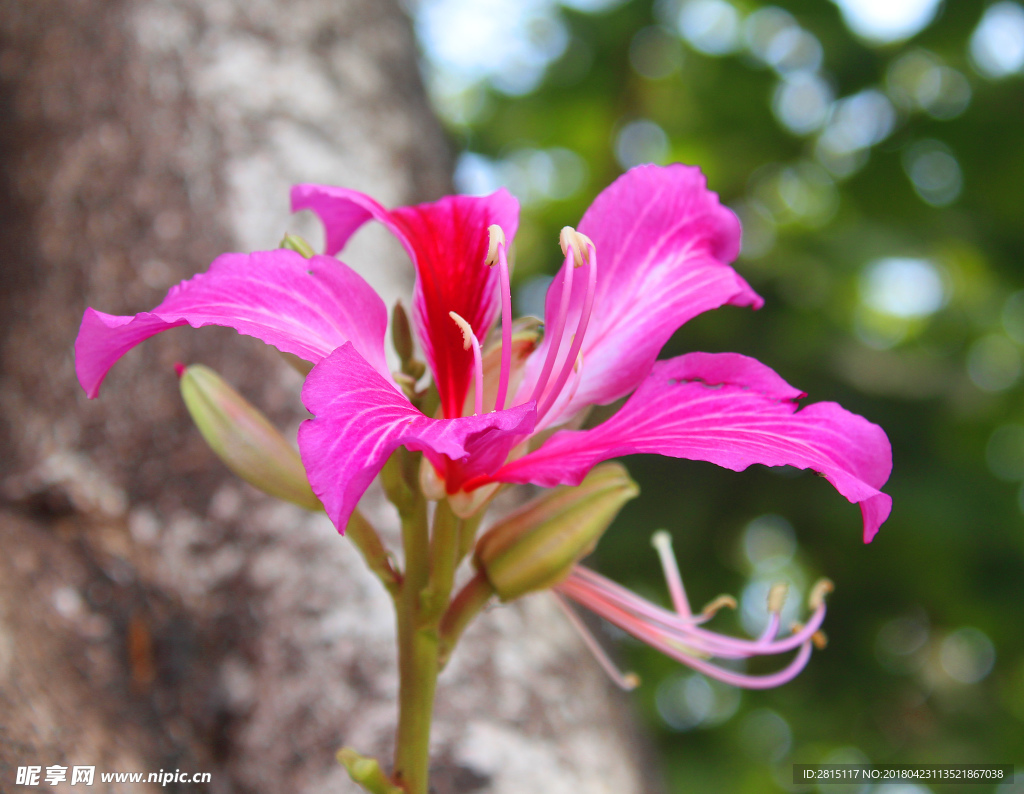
(447, 241)
(733, 411)
(302, 306)
(360, 419)
(663, 245)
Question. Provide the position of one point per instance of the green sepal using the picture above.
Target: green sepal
(537, 546)
(244, 438)
(297, 244)
(366, 772)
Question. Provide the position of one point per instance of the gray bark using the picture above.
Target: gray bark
(154, 612)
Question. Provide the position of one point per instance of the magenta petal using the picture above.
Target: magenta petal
(342, 212)
(303, 306)
(663, 245)
(360, 419)
(730, 410)
(447, 242)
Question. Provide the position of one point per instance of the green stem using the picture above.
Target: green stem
(417, 646)
(467, 605)
(417, 670)
(421, 594)
(444, 547)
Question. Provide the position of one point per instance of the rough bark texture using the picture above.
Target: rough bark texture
(154, 613)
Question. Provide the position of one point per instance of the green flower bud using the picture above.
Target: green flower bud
(244, 438)
(401, 338)
(297, 244)
(538, 545)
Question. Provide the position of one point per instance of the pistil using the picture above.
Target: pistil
(469, 341)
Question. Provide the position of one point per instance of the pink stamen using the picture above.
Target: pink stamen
(469, 340)
(577, 340)
(506, 329)
(681, 637)
(626, 681)
(557, 328)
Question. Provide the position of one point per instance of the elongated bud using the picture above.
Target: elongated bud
(295, 243)
(244, 438)
(401, 335)
(538, 545)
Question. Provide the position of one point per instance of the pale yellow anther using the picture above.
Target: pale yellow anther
(817, 595)
(630, 681)
(717, 603)
(777, 596)
(466, 328)
(662, 541)
(569, 238)
(496, 237)
(578, 364)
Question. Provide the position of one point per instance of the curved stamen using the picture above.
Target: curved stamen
(469, 340)
(626, 681)
(506, 317)
(581, 331)
(621, 606)
(554, 334)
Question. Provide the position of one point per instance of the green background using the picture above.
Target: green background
(942, 586)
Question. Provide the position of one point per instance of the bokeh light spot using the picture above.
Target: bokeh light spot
(710, 26)
(641, 141)
(997, 44)
(769, 543)
(934, 172)
(903, 287)
(993, 363)
(884, 21)
(967, 655)
(1004, 452)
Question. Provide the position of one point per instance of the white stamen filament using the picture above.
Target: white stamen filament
(469, 341)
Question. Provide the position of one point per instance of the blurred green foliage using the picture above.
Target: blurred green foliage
(936, 363)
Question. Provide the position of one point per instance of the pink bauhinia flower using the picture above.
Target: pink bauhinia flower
(652, 251)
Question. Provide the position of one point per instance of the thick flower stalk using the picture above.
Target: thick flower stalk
(652, 252)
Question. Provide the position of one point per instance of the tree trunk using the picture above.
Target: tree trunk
(155, 613)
